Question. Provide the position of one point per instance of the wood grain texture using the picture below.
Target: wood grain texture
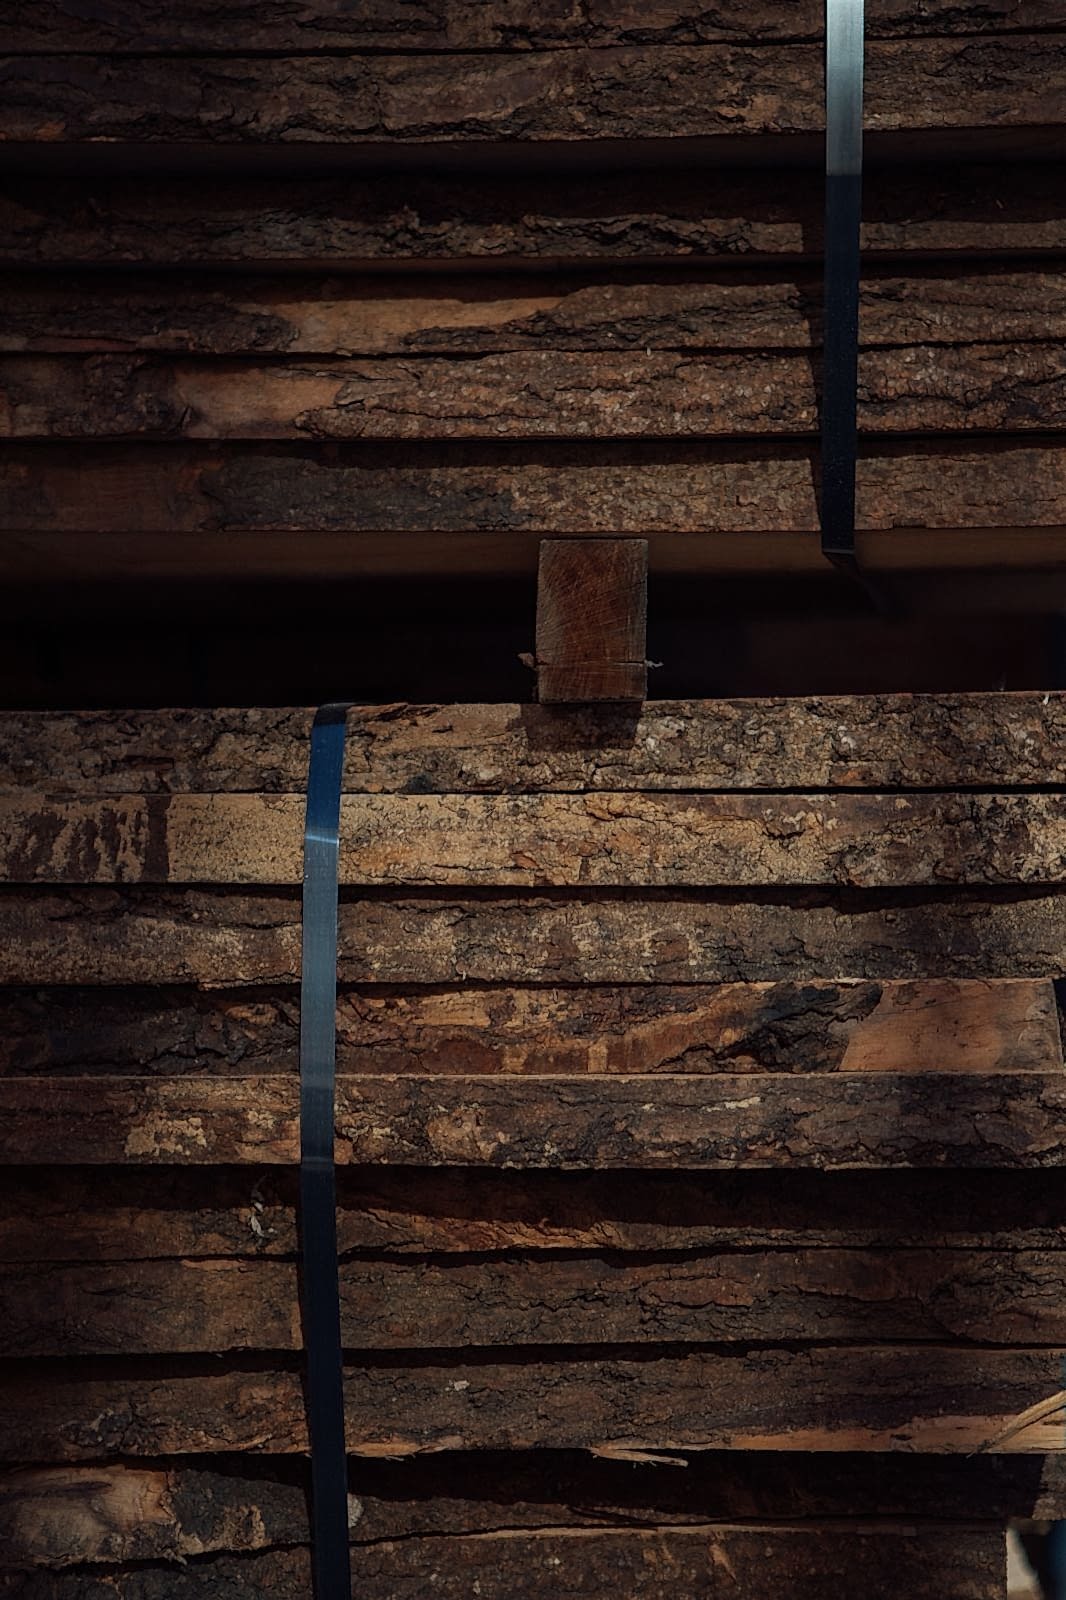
(530, 841)
(480, 315)
(1002, 1025)
(924, 1399)
(720, 1562)
(863, 1120)
(225, 938)
(592, 621)
(318, 26)
(535, 394)
(817, 1295)
(995, 741)
(615, 215)
(623, 92)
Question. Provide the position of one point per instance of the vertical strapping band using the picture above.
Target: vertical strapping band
(318, 1198)
(843, 218)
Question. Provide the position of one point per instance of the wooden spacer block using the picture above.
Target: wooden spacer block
(592, 614)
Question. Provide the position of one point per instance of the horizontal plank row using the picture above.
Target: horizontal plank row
(623, 92)
(986, 1297)
(317, 26)
(995, 741)
(531, 394)
(916, 1398)
(59, 1516)
(90, 1214)
(481, 315)
(863, 1120)
(616, 215)
(735, 1562)
(225, 938)
(1002, 1025)
(620, 840)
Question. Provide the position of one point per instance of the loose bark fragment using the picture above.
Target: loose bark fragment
(627, 214)
(886, 741)
(714, 1561)
(746, 1296)
(592, 620)
(1003, 1025)
(924, 1399)
(225, 939)
(866, 1120)
(623, 92)
(477, 315)
(537, 394)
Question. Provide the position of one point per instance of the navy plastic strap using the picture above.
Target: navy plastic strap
(318, 1199)
(843, 217)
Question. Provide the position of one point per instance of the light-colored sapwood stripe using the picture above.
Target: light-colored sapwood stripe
(1003, 1025)
(862, 1120)
(991, 741)
(319, 26)
(532, 841)
(745, 1296)
(479, 315)
(628, 92)
(225, 938)
(532, 394)
(924, 1398)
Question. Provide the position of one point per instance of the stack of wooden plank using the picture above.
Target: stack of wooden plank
(701, 1101)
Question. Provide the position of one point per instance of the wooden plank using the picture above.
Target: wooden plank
(624, 92)
(887, 741)
(592, 620)
(535, 394)
(737, 1562)
(224, 938)
(666, 214)
(60, 1516)
(738, 506)
(1002, 1025)
(926, 1399)
(319, 27)
(864, 1120)
(92, 1214)
(479, 315)
(531, 841)
(743, 1297)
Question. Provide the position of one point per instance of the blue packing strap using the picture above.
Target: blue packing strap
(318, 1189)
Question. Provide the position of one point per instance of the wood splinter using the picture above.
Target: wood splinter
(592, 606)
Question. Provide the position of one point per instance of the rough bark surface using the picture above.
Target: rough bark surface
(318, 26)
(861, 1120)
(607, 841)
(624, 92)
(541, 394)
(479, 315)
(743, 1297)
(226, 938)
(722, 215)
(720, 1563)
(899, 742)
(924, 1398)
(1000, 1025)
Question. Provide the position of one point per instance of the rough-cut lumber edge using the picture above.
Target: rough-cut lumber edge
(601, 841)
(741, 1297)
(620, 93)
(863, 1120)
(925, 1398)
(720, 215)
(228, 939)
(124, 1512)
(592, 620)
(998, 1025)
(934, 741)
